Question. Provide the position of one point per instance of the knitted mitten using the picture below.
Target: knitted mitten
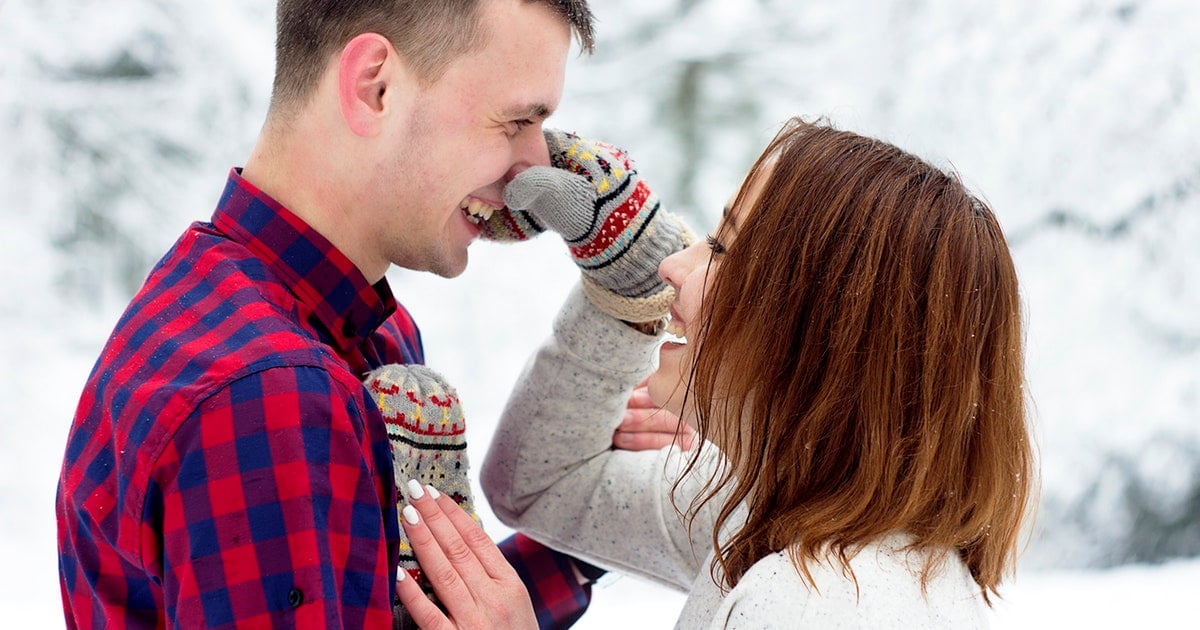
(427, 432)
(611, 221)
(510, 225)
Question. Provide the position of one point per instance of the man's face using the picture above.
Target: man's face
(459, 140)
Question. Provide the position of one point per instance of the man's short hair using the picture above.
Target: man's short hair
(430, 34)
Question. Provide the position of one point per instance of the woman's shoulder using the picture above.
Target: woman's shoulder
(769, 595)
(885, 591)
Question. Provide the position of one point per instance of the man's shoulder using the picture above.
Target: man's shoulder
(218, 307)
(208, 315)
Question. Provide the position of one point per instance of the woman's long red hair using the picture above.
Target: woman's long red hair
(862, 351)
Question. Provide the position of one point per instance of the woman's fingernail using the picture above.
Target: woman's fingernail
(410, 515)
(414, 489)
(433, 492)
(628, 418)
(401, 575)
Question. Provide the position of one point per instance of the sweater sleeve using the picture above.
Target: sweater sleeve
(550, 471)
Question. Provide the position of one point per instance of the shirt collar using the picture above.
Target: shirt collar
(318, 273)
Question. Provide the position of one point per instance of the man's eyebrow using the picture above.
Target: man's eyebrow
(533, 110)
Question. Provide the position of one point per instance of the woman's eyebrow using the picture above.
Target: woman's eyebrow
(727, 217)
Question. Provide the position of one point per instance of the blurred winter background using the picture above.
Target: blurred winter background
(1078, 119)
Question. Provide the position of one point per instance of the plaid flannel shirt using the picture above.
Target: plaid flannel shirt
(225, 467)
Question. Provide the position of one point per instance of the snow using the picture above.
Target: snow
(1076, 119)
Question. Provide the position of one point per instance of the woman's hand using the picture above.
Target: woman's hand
(473, 581)
(648, 427)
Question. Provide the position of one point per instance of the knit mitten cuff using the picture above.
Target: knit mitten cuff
(636, 310)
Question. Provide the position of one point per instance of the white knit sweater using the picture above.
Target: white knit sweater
(550, 473)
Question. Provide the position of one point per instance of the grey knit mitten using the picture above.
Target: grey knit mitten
(613, 224)
(427, 432)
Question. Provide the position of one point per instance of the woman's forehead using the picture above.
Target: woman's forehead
(752, 184)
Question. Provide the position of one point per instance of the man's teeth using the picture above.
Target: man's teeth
(477, 210)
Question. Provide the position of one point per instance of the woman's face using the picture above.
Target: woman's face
(691, 272)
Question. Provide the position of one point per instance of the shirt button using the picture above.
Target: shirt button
(295, 598)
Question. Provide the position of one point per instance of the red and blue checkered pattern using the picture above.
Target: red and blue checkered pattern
(225, 467)
(559, 601)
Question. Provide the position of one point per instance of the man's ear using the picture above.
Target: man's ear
(363, 79)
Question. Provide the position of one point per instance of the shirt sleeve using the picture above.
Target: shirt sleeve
(273, 507)
(559, 600)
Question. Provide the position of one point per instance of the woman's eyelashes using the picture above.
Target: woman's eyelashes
(716, 246)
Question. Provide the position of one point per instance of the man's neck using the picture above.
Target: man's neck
(296, 165)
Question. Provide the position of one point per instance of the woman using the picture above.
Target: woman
(850, 355)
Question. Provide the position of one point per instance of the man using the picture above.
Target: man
(225, 466)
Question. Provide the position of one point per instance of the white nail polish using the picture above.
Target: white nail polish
(433, 492)
(410, 515)
(401, 575)
(414, 489)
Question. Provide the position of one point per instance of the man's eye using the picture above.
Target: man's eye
(514, 127)
(715, 245)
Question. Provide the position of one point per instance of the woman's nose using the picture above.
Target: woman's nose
(674, 268)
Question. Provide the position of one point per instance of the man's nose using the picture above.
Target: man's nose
(530, 150)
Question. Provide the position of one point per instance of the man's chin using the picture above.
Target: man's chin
(451, 269)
